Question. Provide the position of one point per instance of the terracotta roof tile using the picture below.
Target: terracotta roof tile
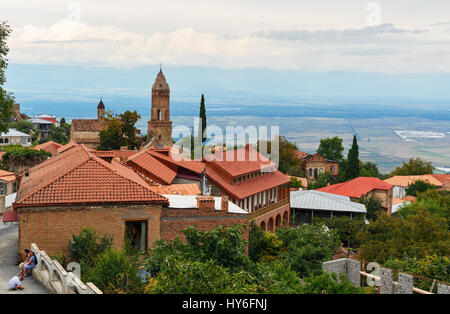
(50, 147)
(241, 161)
(79, 177)
(404, 181)
(7, 176)
(86, 125)
(356, 187)
(247, 187)
(177, 189)
(66, 147)
(178, 160)
(146, 161)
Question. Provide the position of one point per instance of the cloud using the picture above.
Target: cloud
(366, 33)
(385, 48)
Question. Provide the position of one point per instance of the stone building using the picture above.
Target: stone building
(160, 126)
(78, 189)
(313, 165)
(252, 182)
(13, 137)
(364, 186)
(87, 131)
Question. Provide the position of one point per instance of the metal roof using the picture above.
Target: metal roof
(14, 132)
(317, 200)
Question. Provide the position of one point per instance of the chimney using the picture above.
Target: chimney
(224, 203)
(206, 203)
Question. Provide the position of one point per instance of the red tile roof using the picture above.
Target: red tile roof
(66, 147)
(53, 120)
(79, 177)
(86, 125)
(247, 187)
(147, 162)
(409, 198)
(443, 178)
(240, 162)
(7, 176)
(356, 187)
(177, 189)
(50, 147)
(178, 161)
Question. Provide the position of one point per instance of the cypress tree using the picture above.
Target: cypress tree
(353, 161)
(202, 116)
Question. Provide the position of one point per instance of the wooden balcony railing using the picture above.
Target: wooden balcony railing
(268, 209)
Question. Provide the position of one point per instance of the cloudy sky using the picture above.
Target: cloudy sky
(388, 36)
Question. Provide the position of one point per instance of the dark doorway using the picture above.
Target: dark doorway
(136, 233)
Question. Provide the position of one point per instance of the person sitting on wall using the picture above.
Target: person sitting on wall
(27, 254)
(15, 283)
(28, 266)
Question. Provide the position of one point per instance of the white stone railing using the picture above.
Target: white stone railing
(56, 279)
(386, 285)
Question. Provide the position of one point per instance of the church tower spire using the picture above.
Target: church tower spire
(100, 110)
(160, 126)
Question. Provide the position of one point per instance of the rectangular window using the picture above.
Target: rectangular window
(136, 233)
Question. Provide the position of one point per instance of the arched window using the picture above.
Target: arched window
(159, 115)
(6, 141)
(310, 172)
(1, 141)
(315, 173)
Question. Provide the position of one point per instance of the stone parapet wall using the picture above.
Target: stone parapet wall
(56, 279)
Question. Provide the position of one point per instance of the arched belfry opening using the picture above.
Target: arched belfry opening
(160, 126)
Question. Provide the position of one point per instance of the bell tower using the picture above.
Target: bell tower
(100, 110)
(160, 126)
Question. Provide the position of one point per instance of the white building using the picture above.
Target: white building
(15, 137)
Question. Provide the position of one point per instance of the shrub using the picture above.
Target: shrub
(115, 272)
(89, 244)
(307, 247)
(325, 283)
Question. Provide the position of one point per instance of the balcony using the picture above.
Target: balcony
(268, 209)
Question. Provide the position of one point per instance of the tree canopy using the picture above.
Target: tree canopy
(415, 166)
(352, 170)
(6, 98)
(331, 148)
(120, 130)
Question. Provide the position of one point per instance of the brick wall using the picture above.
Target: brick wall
(51, 228)
(173, 221)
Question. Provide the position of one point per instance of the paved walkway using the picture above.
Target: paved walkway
(9, 264)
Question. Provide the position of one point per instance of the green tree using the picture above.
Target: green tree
(289, 163)
(415, 236)
(323, 179)
(415, 166)
(370, 169)
(263, 245)
(116, 273)
(307, 247)
(418, 187)
(373, 207)
(6, 98)
(331, 148)
(353, 161)
(129, 120)
(18, 158)
(346, 228)
(88, 245)
(202, 117)
(119, 130)
(296, 183)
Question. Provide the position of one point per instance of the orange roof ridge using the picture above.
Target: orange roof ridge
(118, 173)
(50, 182)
